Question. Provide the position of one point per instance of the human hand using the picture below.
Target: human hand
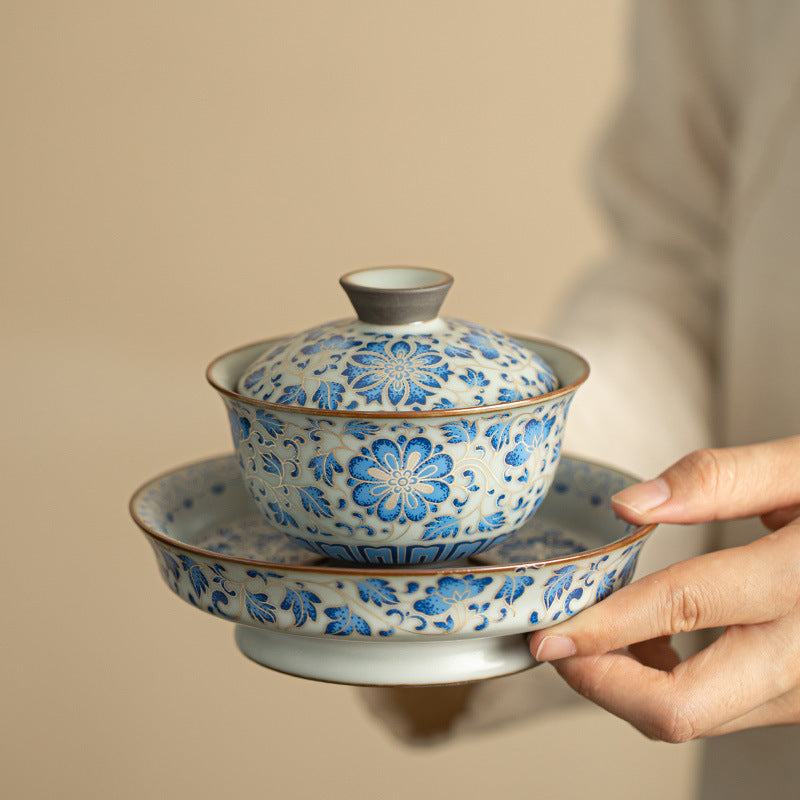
(750, 676)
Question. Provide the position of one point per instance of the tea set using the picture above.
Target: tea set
(397, 509)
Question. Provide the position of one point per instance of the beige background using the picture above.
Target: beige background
(182, 177)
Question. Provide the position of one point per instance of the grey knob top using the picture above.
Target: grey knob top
(396, 295)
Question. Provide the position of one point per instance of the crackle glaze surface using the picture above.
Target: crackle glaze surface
(441, 364)
(216, 552)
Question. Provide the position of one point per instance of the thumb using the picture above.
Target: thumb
(727, 483)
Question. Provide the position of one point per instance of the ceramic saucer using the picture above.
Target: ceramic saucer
(386, 626)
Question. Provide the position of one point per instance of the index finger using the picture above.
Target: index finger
(727, 483)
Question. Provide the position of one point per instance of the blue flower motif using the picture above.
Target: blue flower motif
(405, 373)
(399, 480)
(534, 433)
(448, 592)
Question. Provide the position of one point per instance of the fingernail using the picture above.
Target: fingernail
(552, 648)
(643, 497)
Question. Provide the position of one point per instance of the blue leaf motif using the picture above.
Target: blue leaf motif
(195, 572)
(344, 622)
(595, 565)
(492, 522)
(534, 433)
(258, 607)
(324, 467)
(481, 342)
(240, 427)
(461, 431)
(220, 578)
(509, 395)
(473, 377)
(575, 594)
(328, 395)
(457, 352)
(303, 605)
(272, 426)
(377, 591)
(442, 404)
(441, 527)
(499, 434)
(361, 430)
(272, 464)
(254, 378)
(314, 428)
(559, 583)
(254, 573)
(281, 516)
(314, 500)
(170, 564)
(293, 395)
(605, 585)
(513, 588)
(548, 380)
(219, 598)
(626, 573)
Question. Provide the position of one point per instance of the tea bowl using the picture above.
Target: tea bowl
(398, 486)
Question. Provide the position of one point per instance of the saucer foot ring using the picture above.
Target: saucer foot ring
(423, 663)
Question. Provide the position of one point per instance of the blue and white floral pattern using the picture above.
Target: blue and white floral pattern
(402, 480)
(280, 593)
(348, 364)
(389, 491)
(397, 374)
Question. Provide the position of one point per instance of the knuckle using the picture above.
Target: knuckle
(711, 470)
(683, 608)
(674, 724)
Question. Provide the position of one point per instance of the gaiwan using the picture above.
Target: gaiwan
(399, 436)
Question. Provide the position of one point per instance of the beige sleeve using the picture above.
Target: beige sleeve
(646, 319)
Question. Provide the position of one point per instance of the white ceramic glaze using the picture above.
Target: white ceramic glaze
(334, 621)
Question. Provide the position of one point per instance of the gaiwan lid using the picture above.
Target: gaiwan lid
(398, 355)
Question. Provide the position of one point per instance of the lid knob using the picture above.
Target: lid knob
(396, 295)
